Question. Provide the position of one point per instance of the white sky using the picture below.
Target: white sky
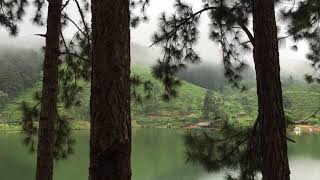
(208, 50)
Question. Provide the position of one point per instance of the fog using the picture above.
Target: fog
(291, 62)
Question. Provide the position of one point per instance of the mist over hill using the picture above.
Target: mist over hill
(19, 69)
(213, 70)
(208, 74)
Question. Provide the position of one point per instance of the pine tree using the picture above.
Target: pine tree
(110, 114)
(207, 101)
(110, 133)
(54, 132)
(48, 113)
(272, 124)
(212, 108)
(229, 22)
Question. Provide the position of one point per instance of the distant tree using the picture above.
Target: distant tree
(288, 81)
(19, 69)
(246, 104)
(11, 12)
(287, 104)
(206, 75)
(207, 101)
(291, 80)
(212, 108)
(3, 98)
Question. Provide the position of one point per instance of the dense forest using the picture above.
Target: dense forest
(19, 70)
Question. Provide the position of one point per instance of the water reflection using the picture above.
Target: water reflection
(307, 145)
(304, 155)
(158, 154)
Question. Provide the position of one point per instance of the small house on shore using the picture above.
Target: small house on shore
(204, 124)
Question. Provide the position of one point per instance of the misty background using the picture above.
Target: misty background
(292, 62)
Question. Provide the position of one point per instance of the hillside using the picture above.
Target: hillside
(152, 111)
(301, 100)
(19, 69)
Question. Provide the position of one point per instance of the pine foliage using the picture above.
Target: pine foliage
(11, 13)
(178, 35)
(304, 21)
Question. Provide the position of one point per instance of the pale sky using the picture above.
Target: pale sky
(209, 51)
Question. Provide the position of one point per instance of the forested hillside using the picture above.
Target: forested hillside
(19, 70)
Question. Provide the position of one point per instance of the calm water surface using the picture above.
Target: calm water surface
(158, 154)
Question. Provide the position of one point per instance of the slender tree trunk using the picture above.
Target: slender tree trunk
(48, 114)
(272, 124)
(110, 135)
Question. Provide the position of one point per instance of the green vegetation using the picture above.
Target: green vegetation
(212, 109)
(186, 110)
(18, 71)
(151, 112)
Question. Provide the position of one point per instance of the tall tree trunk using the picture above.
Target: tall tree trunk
(272, 123)
(48, 114)
(110, 135)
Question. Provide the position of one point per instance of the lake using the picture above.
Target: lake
(158, 154)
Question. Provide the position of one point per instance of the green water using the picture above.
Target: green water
(158, 154)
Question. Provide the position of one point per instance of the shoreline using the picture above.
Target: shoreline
(85, 126)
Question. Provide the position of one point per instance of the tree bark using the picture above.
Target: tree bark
(110, 135)
(272, 123)
(48, 114)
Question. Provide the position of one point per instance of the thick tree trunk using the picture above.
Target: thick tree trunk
(110, 135)
(272, 123)
(48, 114)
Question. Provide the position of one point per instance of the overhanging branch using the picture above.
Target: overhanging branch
(243, 26)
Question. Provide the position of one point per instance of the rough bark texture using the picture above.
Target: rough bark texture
(271, 115)
(110, 135)
(48, 114)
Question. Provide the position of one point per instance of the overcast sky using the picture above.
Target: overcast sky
(208, 50)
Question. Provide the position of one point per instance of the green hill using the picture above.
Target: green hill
(152, 112)
(301, 100)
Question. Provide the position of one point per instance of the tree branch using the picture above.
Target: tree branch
(307, 119)
(75, 25)
(65, 5)
(244, 28)
(74, 54)
(68, 52)
(84, 22)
